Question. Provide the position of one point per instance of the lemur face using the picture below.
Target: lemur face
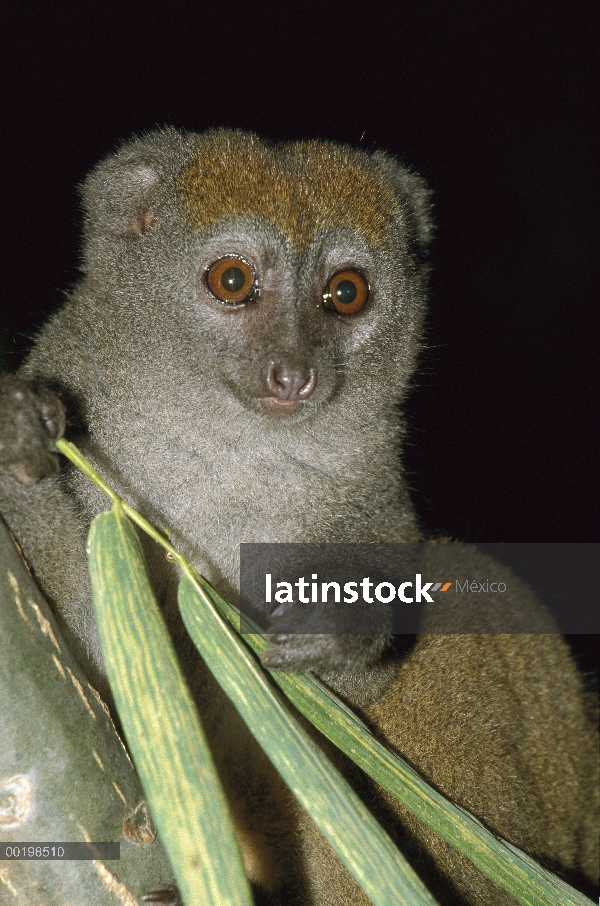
(283, 271)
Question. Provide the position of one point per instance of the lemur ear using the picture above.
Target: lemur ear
(119, 196)
(415, 198)
(122, 195)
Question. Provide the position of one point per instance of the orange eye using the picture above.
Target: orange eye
(232, 280)
(347, 293)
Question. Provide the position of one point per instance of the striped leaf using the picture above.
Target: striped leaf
(160, 721)
(506, 865)
(357, 838)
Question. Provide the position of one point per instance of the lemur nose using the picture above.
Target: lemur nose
(288, 381)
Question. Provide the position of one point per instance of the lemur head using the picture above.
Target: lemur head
(284, 275)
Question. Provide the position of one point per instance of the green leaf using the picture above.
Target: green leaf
(161, 722)
(360, 842)
(506, 865)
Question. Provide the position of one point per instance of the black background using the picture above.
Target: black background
(494, 103)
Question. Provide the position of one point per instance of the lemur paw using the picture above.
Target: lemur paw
(299, 652)
(32, 417)
(323, 638)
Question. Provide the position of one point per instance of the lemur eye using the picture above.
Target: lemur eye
(232, 280)
(347, 293)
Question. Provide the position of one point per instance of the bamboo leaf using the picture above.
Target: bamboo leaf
(160, 721)
(506, 865)
(360, 842)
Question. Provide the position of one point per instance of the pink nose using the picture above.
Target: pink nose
(287, 382)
